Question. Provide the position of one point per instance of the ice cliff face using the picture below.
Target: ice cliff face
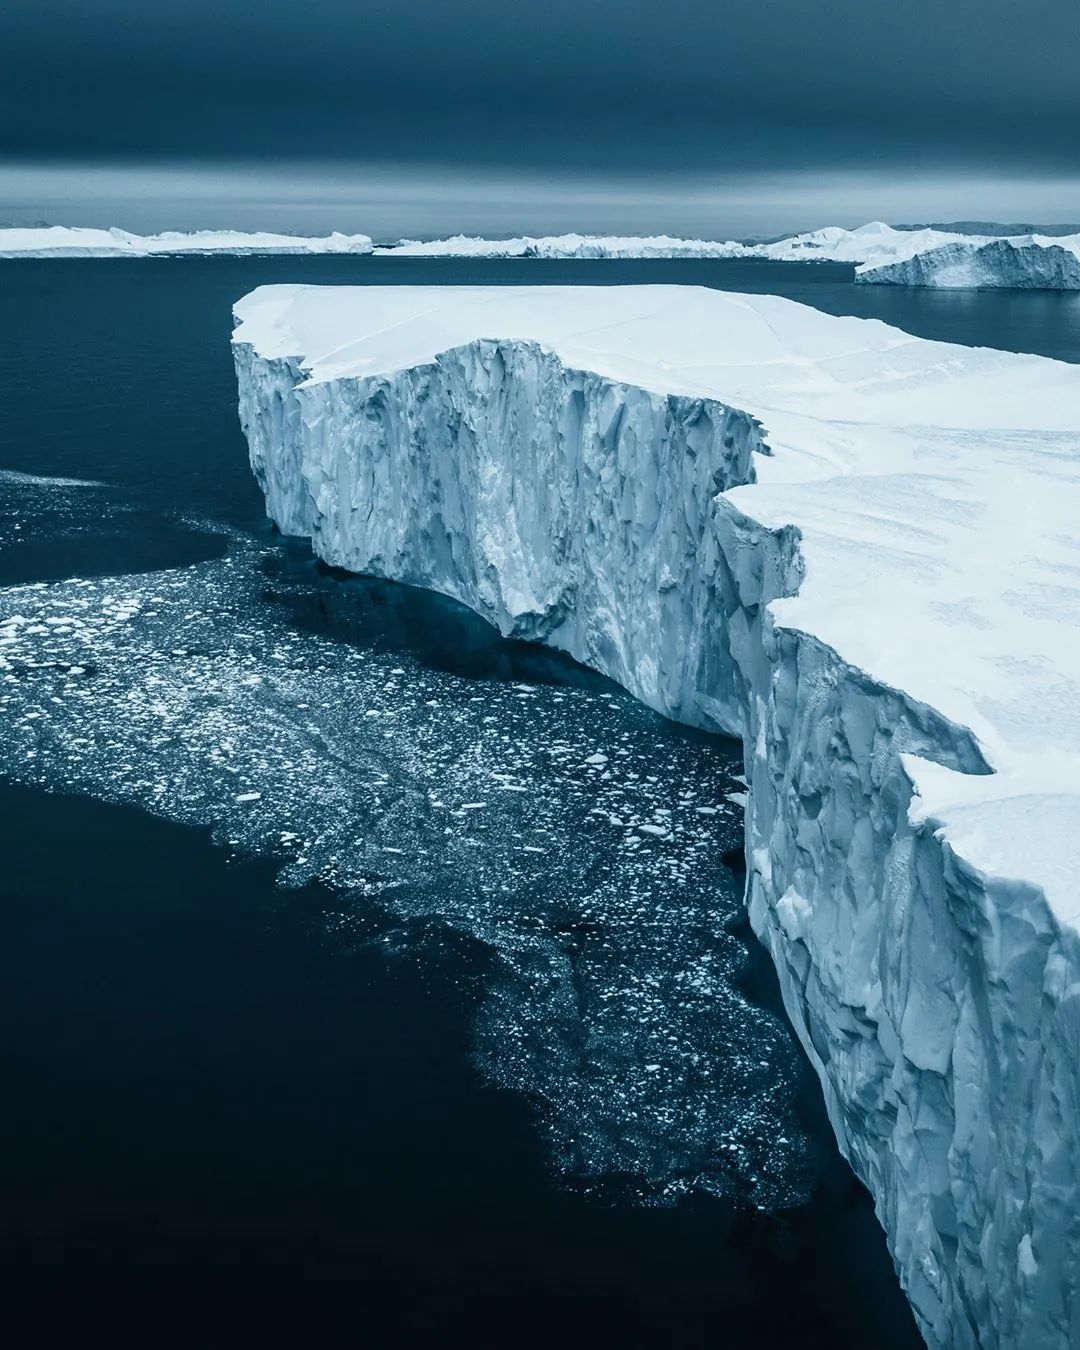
(429, 479)
(1032, 263)
(564, 464)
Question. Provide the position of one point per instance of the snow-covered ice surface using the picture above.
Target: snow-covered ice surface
(887, 610)
(1028, 262)
(62, 241)
(560, 825)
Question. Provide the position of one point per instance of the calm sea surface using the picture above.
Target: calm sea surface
(369, 980)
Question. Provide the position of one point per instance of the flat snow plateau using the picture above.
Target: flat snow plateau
(854, 548)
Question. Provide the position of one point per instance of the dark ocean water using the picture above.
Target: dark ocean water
(370, 980)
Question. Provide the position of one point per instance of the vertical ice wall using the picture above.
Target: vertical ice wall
(432, 476)
(939, 1007)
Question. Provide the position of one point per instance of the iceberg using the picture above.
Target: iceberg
(875, 242)
(61, 241)
(883, 254)
(1031, 262)
(919, 257)
(565, 246)
(852, 548)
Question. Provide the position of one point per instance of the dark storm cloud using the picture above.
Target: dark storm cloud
(668, 82)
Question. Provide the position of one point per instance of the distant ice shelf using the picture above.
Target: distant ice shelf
(853, 548)
(60, 241)
(884, 255)
(564, 246)
(921, 257)
(832, 244)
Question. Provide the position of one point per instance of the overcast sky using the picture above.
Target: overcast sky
(682, 97)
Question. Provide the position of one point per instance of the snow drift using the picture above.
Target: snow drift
(855, 549)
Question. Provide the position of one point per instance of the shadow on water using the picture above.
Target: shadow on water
(226, 1126)
(438, 631)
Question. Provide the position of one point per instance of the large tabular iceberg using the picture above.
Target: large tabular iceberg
(60, 241)
(1031, 262)
(857, 550)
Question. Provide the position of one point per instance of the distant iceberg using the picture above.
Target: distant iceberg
(1031, 262)
(62, 241)
(875, 242)
(882, 253)
(567, 246)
